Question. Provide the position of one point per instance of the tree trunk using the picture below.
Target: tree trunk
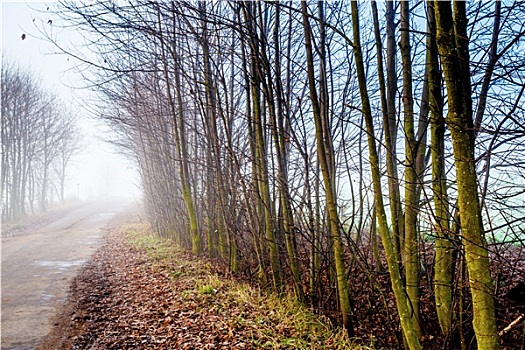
(276, 110)
(444, 261)
(177, 111)
(261, 161)
(390, 131)
(403, 308)
(323, 155)
(452, 42)
(411, 249)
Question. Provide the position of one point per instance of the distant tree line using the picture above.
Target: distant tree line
(306, 143)
(39, 139)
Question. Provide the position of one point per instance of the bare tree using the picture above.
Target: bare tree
(35, 133)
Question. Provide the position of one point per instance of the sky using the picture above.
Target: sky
(98, 167)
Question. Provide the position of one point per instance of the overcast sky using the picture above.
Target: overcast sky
(93, 167)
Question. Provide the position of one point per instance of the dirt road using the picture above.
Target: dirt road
(38, 267)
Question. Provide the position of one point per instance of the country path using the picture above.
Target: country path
(37, 269)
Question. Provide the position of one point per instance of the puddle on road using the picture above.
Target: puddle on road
(101, 217)
(59, 265)
(90, 240)
(108, 214)
(47, 297)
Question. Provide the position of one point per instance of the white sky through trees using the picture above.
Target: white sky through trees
(97, 169)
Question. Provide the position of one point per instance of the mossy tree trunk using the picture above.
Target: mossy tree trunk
(253, 211)
(325, 155)
(444, 261)
(181, 143)
(260, 162)
(277, 113)
(179, 133)
(218, 231)
(402, 302)
(411, 249)
(452, 42)
(390, 132)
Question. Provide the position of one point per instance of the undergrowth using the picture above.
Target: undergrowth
(272, 321)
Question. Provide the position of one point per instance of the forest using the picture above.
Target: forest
(40, 136)
(365, 157)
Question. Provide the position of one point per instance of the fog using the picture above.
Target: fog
(100, 172)
(97, 170)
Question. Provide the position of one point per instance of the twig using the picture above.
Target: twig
(512, 324)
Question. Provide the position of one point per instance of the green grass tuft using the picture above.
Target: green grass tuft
(274, 322)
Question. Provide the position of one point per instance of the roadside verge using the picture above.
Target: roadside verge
(142, 292)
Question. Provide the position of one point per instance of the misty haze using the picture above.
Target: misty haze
(263, 175)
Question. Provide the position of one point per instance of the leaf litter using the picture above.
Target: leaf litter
(138, 292)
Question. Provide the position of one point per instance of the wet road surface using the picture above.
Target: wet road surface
(38, 267)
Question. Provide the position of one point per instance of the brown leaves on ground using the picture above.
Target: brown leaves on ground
(151, 295)
(125, 298)
(125, 302)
